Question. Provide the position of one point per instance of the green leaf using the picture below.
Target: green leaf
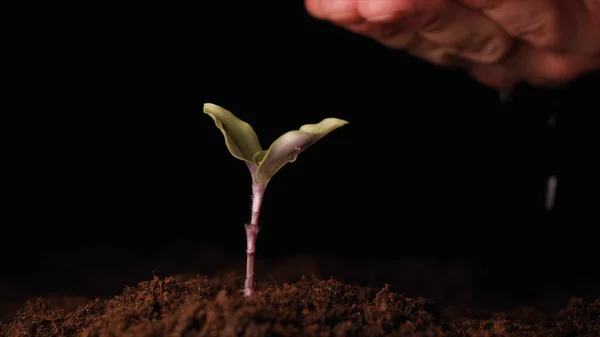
(286, 148)
(240, 138)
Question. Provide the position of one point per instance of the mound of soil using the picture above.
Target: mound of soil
(200, 306)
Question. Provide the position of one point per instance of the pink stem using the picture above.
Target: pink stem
(251, 233)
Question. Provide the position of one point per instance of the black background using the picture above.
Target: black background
(114, 166)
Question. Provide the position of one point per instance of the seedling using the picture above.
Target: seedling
(243, 144)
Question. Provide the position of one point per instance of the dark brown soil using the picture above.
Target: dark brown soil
(198, 306)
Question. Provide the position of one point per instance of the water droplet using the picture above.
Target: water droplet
(551, 121)
(293, 157)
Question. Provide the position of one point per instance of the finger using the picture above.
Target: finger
(392, 35)
(341, 11)
(313, 7)
(533, 63)
(470, 34)
(495, 76)
(391, 17)
(563, 26)
(433, 52)
(504, 78)
(415, 45)
(463, 31)
(382, 11)
(353, 11)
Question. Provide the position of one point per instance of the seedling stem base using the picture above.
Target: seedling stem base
(251, 233)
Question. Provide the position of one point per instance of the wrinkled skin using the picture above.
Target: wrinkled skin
(499, 42)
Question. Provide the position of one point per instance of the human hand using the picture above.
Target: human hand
(499, 42)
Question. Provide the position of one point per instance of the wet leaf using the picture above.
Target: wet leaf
(287, 147)
(243, 142)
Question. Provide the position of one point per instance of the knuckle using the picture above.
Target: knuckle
(436, 55)
(489, 49)
(395, 38)
(540, 28)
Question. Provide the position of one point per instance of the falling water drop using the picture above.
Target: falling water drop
(292, 159)
(505, 96)
(551, 192)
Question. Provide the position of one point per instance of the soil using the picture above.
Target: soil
(202, 306)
